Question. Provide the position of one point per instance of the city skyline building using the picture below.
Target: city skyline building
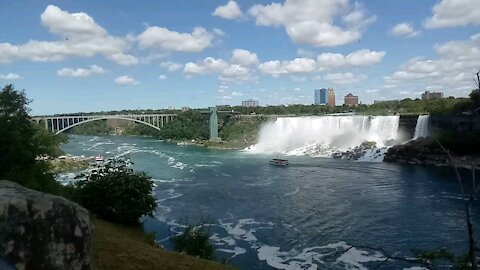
(320, 96)
(432, 95)
(331, 97)
(351, 100)
(250, 103)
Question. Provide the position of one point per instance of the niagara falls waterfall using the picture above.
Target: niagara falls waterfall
(325, 135)
(422, 128)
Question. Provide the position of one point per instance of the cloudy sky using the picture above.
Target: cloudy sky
(74, 56)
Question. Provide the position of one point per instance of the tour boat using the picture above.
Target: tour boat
(98, 158)
(279, 162)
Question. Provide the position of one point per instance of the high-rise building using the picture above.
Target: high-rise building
(320, 96)
(351, 100)
(250, 103)
(331, 97)
(432, 95)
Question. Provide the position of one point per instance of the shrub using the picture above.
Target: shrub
(117, 194)
(194, 241)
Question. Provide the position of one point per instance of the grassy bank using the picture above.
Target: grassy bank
(58, 166)
(122, 247)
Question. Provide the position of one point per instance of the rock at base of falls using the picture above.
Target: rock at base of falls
(42, 231)
(357, 152)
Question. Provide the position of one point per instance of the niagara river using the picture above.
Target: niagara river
(318, 213)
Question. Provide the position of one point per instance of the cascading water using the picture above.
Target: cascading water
(324, 135)
(422, 128)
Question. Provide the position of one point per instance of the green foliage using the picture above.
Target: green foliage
(475, 98)
(442, 256)
(141, 130)
(466, 144)
(117, 194)
(188, 125)
(194, 241)
(92, 128)
(22, 141)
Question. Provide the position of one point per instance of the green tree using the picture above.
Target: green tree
(194, 241)
(475, 98)
(117, 194)
(22, 141)
(187, 126)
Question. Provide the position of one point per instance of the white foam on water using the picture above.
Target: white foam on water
(171, 195)
(172, 180)
(374, 155)
(99, 144)
(205, 165)
(236, 251)
(229, 241)
(260, 184)
(353, 258)
(172, 162)
(297, 189)
(239, 232)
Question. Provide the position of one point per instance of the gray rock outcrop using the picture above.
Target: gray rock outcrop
(42, 231)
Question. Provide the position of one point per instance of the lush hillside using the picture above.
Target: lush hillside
(92, 128)
(126, 248)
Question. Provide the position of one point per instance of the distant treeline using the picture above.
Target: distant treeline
(193, 125)
(436, 106)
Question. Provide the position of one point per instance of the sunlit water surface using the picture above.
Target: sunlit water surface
(301, 217)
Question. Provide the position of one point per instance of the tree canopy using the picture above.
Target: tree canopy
(22, 141)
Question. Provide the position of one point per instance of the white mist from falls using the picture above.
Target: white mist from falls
(324, 135)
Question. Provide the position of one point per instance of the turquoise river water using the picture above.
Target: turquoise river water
(305, 216)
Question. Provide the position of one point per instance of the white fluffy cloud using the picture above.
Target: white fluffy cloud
(454, 67)
(229, 11)
(226, 71)
(80, 36)
(344, 78)
(125, 80)
(324, 61)
(237, 69)
(123, 59)
(171, 66)
(244, 57)
(80, 72)
(297, 65)
(404, 29)
(310, 21)
(10, 76)
(364, 58)
(161, 38)
(162, 77)
(452, 13)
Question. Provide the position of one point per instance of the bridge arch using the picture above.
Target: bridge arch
(106, 118)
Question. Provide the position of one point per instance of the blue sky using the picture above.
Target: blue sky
(74, 56)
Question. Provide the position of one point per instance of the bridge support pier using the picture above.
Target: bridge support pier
(213, 124)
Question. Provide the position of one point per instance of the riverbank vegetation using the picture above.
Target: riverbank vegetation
(22, 142)
(123, 247)
(61, 165)
(99, 127)
(115, 193)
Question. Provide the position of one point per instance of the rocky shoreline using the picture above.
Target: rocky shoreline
(427, 152)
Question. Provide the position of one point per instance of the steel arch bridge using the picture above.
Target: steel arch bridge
(59, 124)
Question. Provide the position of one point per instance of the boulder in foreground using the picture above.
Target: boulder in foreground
(42, 231)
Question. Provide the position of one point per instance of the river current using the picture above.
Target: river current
(306, 216)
